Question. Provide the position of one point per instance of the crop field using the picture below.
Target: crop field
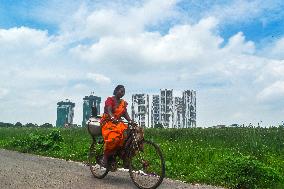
(231, 157)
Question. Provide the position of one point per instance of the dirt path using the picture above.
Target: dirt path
(25, 171)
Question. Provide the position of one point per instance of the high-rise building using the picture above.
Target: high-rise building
(140, 109)
(178, 108)
(189, 108)
(65, 113)
(170, 111)
(88, 103)
(155, 110)
(166, 108)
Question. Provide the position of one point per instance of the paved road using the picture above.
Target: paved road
(25, 171)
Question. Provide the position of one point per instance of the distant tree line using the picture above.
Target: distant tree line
(19, 124)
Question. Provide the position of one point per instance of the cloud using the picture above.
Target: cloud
(93, 22)
(27, 45)
(99, 78)
(276, 49)
(3, 92)
(273, 93)
(182, 45)
(237, 44)
(98, 47)
(239, 11)
(17, 39)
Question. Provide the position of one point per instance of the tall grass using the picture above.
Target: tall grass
(219, 156)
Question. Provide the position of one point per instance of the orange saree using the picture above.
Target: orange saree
(114, 133)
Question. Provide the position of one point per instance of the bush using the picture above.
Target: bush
(38, 142)
(243, 173)
(18, 124)
(158, 126)
(46, 125)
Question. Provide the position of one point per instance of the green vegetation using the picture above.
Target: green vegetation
(19, 124)
(230, 157)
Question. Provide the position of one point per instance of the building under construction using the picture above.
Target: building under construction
(65, 113)
(88, 103)
(174, 112)
(140, 109)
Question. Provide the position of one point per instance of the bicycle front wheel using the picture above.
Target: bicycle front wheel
(147, 167)
(95, 155)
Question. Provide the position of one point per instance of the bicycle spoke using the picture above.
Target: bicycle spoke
(95, 154)
(147, 167)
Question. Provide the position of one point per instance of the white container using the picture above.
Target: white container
(94, 126)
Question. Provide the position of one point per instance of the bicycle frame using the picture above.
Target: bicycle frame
(131, 143)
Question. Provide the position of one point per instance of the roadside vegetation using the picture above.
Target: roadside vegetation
(239, 157)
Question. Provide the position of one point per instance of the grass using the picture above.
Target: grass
(230, 157)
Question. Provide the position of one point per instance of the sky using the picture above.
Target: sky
(229, 52)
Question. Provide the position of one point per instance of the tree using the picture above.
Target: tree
(46, 125)
(6, 124)
(31, 125)
(18, 124)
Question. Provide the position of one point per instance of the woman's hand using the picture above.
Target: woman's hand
(114, 120)
(131, 122)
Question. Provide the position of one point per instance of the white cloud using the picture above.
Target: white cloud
(18, 39)
(3, 92)
(26, 46)
(276, 50)
(184, 44)
(237, 44)
(239, 11)
(273, 93)
(91, 22)
(99, 48)
(99, 78)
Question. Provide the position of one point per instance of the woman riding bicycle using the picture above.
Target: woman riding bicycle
(113, 130)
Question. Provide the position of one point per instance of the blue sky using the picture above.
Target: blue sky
(230, 52)
(265, 25)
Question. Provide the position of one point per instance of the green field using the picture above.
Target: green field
(230, 157)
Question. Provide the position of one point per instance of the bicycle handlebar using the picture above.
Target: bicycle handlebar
(120, 120)
(127, 122)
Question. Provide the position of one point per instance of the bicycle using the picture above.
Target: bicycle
(144, 158)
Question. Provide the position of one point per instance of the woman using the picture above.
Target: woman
(113, 130)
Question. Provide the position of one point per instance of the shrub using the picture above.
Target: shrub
(47, 125)
(38, 142)
(243, 173)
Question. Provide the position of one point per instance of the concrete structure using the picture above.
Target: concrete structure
(88, 103)
(170, 111)
(155, 110)
(177, 112)
(166, 108)
(189, 108)
(65, 113)
(140, 109)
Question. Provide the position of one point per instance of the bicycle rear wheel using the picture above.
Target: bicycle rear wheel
(95, 155)
(147, 167)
